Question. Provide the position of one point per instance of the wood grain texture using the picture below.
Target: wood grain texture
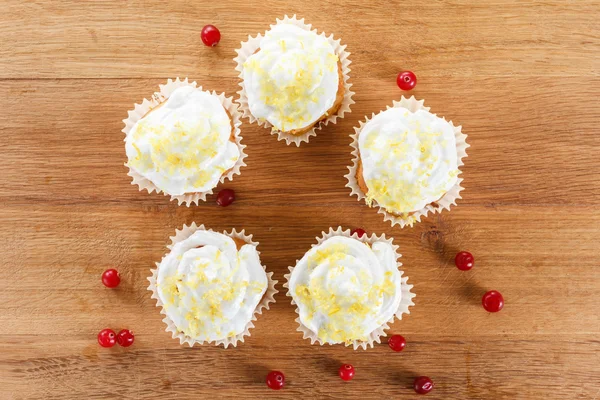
(521, 77)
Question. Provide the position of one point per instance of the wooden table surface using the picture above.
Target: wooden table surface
(521, 77)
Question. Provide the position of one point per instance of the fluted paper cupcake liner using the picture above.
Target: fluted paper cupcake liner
(140, 110)
(253, 43)
(267, 298)
(447, 200)
(375, 336)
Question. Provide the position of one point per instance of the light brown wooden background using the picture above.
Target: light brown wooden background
(522, 77)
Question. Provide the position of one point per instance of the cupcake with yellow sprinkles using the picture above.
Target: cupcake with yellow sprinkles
(294, 80)
(183, 142)
(347, 290)
(211, 286)
(406, 162)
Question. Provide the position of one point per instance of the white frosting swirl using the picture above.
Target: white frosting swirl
(409, 159)
(209, 289)
(183, 145)
(345, 289)
(293, 79)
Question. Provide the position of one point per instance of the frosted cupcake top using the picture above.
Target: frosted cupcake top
(345, 289)
(408, 159)
(293, 79)
(209, 288)
(183, 145)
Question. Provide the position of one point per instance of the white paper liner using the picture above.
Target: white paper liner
(140, 110)
(268, 298)
(444, 202)
(253, 43)
(375, 336)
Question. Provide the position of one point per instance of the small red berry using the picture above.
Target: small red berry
(210, 35)
(107, 338)
(346, 372)
(464, 260)
(125, 338)
(359, 231)
(225, 197)
(423, 384)
(397, 343)
(275, 380)
(111, 278)
(492, 301)
(406, 80)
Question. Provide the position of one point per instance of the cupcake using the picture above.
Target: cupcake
(348, 289)
(183, 142)
(210, 286)
(293, 80)
(406, 162)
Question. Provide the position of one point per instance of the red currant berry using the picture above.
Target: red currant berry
(423, 384)
(397, 343)
(492, 301)
(107, 338)
(275, 380)
(111, 278)
(210, 35)
(464, 261)
(225, 197)
(406, 80)
(125, 338)
(359, 231)
(346, 372)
